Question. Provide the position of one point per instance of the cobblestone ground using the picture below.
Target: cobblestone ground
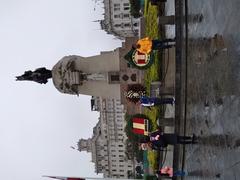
(213, 96)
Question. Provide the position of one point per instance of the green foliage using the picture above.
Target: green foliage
(132, 144)
(150, 177)
(152, 73)
(129, 58)
(152, 159)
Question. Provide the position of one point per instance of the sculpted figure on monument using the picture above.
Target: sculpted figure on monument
(40, 75)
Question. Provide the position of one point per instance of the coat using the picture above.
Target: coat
(145, 45)
(163, 140)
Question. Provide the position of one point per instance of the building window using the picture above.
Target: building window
(125, 77)
(113, 77)
(117, 25)
(134, 77)
(127, 25)
(117, 16)
(126, 4)
(135, 24)
(117, 5)
(126, 15)
(126, 8)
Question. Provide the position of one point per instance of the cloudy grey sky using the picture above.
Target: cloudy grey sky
(38, 124)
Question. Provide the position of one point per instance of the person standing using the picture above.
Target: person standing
(158, 140)
(168, 172)
(146, 45)
(155, 101)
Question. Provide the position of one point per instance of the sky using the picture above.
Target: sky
(38, 124)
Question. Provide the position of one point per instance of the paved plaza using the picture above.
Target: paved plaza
(213, 87)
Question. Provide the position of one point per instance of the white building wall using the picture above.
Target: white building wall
(118, 20)
(108, 143)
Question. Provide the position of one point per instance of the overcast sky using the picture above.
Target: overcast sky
(39, 124)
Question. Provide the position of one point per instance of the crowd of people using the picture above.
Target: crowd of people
(157, 140)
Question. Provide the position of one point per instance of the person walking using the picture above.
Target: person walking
(155, 101)
(159, 138)
(146, 45)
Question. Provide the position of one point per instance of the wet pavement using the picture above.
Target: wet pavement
(213, 103)
(213, 88)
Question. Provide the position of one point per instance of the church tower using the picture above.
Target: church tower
(85, 145)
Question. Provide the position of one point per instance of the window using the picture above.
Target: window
(126, 8)
(117, 16)
(134, 77)
(114, 77)
(117, 5)
(135, 24)
(127, 25)
(126, 15)
(117, 25)
(117, 9)
(126, 4)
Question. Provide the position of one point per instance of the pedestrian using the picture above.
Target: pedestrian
(158, 140)
(146, 45)
(163, 139)
(155, 101)
(168, 172)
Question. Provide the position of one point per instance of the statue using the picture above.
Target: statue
(40, 75)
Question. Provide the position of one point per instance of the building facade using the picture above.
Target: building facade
(118, 20)
(107, 144)
(101, 75)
